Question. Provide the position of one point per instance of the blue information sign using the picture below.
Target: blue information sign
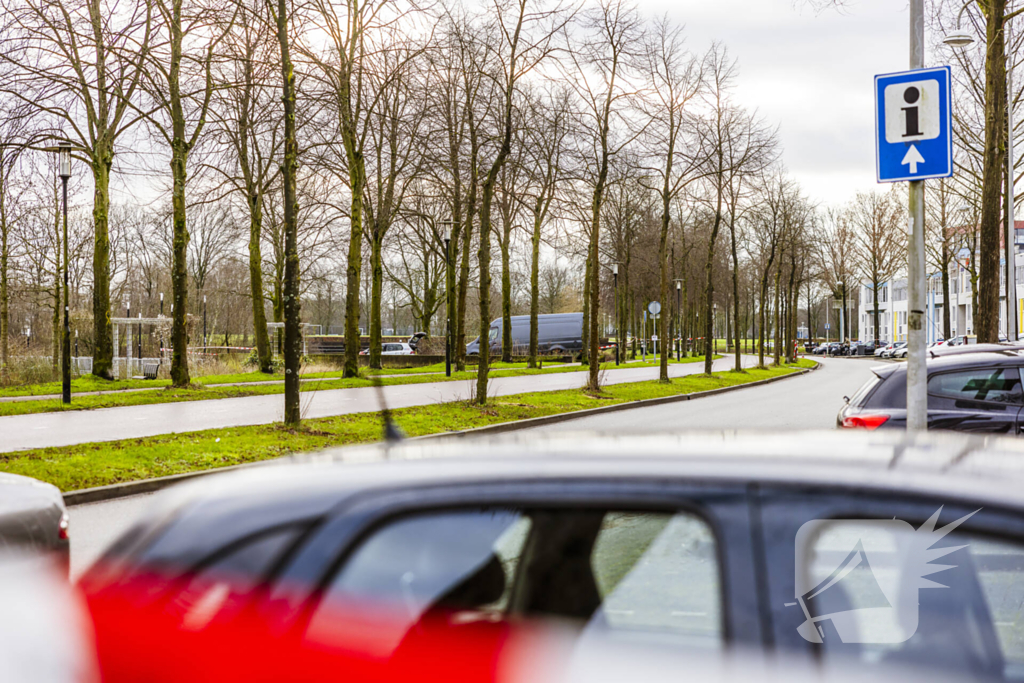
(912, 125)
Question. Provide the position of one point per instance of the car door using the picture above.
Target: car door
(860, 579)
(612, 558)
(983, 399)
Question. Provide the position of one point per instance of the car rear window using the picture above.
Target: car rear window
(865, 390)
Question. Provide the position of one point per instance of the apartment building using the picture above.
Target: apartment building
(893, 309)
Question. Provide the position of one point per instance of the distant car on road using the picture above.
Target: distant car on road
(636, 539)
(33, 517)
(967, 391)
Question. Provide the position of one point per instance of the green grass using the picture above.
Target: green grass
(97, 464)
(89, 383)
(210, 391)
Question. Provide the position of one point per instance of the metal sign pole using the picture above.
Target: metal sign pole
(917, 371)
(1010, 247)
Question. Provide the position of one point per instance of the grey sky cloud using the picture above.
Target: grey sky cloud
(811, 73)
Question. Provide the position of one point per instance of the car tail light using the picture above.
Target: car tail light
(864, 421)
(63, 526)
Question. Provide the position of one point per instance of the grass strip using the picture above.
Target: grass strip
(117, 399)
(97, 464)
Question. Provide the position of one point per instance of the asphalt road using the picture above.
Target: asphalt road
(42, 430)
(807, 402)
(810, 401)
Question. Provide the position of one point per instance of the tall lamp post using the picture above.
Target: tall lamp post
(961, 39)
(447, 297)
(64, 158)
(204, 323)
(615, 293)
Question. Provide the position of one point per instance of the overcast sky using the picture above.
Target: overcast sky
(811, 73)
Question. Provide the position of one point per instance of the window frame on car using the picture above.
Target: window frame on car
(731, 540)
(979, 368)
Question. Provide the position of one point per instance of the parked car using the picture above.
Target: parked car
(556, 333)
(892, 348)
(393, 349)
(414, 340)
(967, 391)
(33, 517)
(969, 339)
(880, 347)
(900, 352)
(765, 543)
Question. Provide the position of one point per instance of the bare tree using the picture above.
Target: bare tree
(248, 129)
(880, 240)
(675, 79)
(545, 142)
(79, 67)
(292, 302)
(601, 64)
(525, 35)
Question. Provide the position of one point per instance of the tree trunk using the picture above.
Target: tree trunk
(292, 302)
(376, 293)
(986, 315)
(777, 331)
(534, 285)
(355, 263)
(5, 297)
(663, 255)
(709, 287)
(55, 322)
(103, 333)
(761, 318)
(585, 351)
(945, 292)
(259, 315)
(506, 298)
(179, 266)
(735, 286)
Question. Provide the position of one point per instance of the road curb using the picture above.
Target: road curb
(130, 488)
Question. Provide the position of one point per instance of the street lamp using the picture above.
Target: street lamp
(204, 323)
(962, 39)
(161, 304)
(64, 163)
(615, 293)
(447, 236)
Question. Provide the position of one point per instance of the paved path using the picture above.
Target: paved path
(41, 430)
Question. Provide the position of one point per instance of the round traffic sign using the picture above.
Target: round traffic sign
(654, 308)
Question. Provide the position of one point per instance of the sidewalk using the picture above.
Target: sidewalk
(269, 382)
(42, 430)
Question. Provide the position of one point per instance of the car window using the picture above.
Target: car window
(883, 592)
(493, 333)
(222, 586)
(999, 385)
(611, 573)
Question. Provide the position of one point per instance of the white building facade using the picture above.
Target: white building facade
(893, 310)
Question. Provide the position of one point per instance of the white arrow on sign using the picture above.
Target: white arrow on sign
(913, 157)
